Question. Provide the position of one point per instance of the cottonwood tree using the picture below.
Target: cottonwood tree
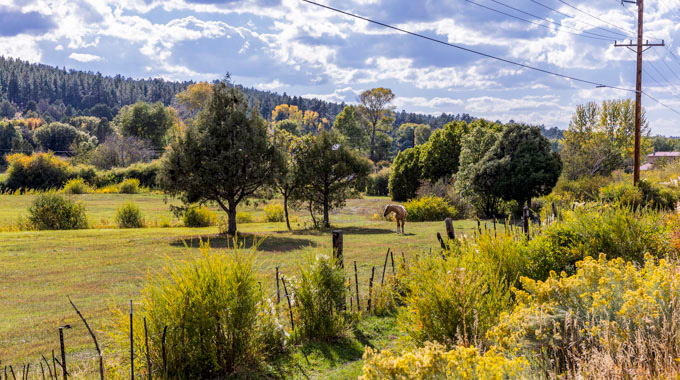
(288, 180)
(600, 138)
(440, 156)
(347, 124)
(328, 171)
(474, 147)
(376, 114)
(146, 121)
(224, 157)
(406, 174)
(519, 166)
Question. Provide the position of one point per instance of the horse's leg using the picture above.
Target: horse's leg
(403, 222)
(397, 225)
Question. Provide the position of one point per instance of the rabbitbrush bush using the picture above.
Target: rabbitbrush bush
(199, 217)
(319, 295)
(611, 319)
(129, 186)
(76, 186)
(435, 361)
(273, 212)
(428, 209)
(219, 324)
(54, 212)
(129, 216)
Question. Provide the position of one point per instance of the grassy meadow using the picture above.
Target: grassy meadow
(102, 268)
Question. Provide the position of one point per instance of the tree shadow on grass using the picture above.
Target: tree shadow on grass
(345, 230)
(268, 243)
(340, 351)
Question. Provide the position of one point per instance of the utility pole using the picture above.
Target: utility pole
(638, 84)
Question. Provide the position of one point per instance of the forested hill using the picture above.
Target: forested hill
(56, 94)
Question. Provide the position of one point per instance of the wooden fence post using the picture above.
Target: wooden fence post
(337, 247)
(392, 259)
(63, 350)
(148, 357)
(370, 288)
(525, 217)
(132, 346)
(356, 283)
(387, 255)
(290, 307)
(449, 228)
(278, 293)
(441, 241)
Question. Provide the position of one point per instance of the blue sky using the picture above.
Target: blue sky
(293, 47)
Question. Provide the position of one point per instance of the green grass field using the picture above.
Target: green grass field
(103, 268)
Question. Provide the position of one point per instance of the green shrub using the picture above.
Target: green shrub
(144, 172)
(274, 213)
(129, 216)
(406, 175)
(658, 197)
(54, 212)
(218, 322)
(623, 194)
(428, 209)
(244, 217)
(453, 299)
(76, 186)
(378, 183)
(319, 296)
(129, 186)
(583, 189)
(199, 217)
(39, 171)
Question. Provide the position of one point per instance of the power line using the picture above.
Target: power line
(466, 49)
(552, 22)
(581, 21)
(630, 33)
(533, 22)
(599, 85)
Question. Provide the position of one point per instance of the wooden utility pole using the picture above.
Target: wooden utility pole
(638, 84)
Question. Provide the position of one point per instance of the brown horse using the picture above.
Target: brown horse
(399, 213)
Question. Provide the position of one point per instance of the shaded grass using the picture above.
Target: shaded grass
(107, 267)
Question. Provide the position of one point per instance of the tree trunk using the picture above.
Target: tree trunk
(285, 211)
(373, 144)
(231, 231)
(326, 219)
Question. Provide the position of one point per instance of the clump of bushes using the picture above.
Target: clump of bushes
(377, 184)
(129, 216)
(144, 172)
(40, 171)
(273, 212)
(646, 194)
(219, 323)
(76, 186)
(129, 186)
(429, 208)
(244, 217)
(199, 217)
(608, 312)
(435, 361)
(54, 212)
(319, 295)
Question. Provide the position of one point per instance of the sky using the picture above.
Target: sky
(301, 49)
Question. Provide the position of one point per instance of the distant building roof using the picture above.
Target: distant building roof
(664, 154)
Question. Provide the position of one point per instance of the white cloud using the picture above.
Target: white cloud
(21, 46)
(273, 85)
(84, 57)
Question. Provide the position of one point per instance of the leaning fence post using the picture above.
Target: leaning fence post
(356, 283)
(132, 346)
(290, 307)
(337, 247)
(96, 345)
(387, 255)
(47, 364)
(392, 260)
(54, 364)
(12, 370)
(42, 370)
(441, 241)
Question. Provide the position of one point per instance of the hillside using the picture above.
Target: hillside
(57, 93)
